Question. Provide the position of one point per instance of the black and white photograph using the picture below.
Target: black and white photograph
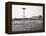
(27, 18)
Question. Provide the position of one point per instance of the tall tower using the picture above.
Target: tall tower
(23, 14)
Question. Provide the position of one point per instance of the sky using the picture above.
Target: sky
(17, 11)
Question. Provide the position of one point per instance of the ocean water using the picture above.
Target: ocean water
(27, 25)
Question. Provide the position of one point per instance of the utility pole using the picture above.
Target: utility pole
(23, 14)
